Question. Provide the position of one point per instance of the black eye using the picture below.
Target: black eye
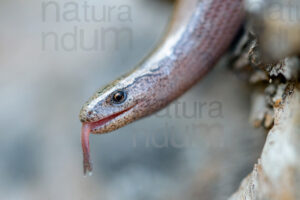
(119, 97)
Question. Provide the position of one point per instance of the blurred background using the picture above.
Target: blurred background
(200, 147)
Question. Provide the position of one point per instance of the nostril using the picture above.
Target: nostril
(90, 112)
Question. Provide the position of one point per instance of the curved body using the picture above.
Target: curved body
(199, 34)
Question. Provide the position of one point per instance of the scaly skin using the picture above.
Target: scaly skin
(199, 34)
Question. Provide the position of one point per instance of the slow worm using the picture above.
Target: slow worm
(199, 33)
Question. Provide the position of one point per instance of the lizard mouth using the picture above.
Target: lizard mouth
(89, 127)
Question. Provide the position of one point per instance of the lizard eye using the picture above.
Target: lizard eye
(119, 97)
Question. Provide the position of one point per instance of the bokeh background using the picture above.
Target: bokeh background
(165, 156)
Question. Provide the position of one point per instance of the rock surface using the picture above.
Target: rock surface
(277, 173)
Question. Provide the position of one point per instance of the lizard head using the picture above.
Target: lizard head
(108, 110)
(129, 98)
(114, 106)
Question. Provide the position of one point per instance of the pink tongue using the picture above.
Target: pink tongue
(85, 132)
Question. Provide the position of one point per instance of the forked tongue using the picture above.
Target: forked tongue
(85, 132)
